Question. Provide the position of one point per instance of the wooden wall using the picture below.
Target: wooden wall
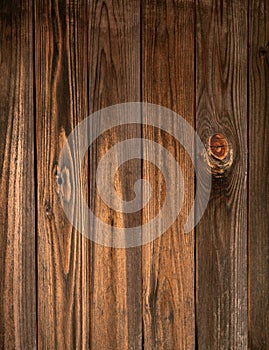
(208, 61)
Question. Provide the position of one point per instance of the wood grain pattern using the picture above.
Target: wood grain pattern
(221, 100)
(258, 174)
(114, 64)
(168, 262)
(61, 102)
(17, 182)
(61, 60)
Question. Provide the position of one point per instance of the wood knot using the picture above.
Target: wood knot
(63, 183)
(48, 210)
(264, 50)
(218, 146)
(219, 154)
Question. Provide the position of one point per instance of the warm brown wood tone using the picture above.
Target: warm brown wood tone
(61, 102)
(60, 61)
(114, 68)
(219, 147)
(258, 174)
(168, 262)
(17, 181)
(221, 101)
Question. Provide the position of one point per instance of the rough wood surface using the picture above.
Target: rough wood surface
(61, 102)
(62, 60)
(114, 69)
(17, 180)
(168, 262)
(258, 174)
(221, 101)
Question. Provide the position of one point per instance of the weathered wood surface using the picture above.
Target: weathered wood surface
(168, 262)
(258, 174)
(17, 179)
(63, 60)
(221, 240)
(114, 77)
(61, 103)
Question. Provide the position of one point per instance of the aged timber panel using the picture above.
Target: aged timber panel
(258, 174)
(17, 179)
(114, 71)
(61, 102)
(168, 262)
(221, 102)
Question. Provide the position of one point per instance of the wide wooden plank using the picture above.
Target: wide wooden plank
(61, 103)
(114, 69)
(221, 101)
(168, 262)
(258, 173)
(17, 180)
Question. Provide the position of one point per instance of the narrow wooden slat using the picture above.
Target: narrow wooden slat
(258, 173)
(168, 262)
(61, 103)
(17, 184)
(221, 101)
(114, 66)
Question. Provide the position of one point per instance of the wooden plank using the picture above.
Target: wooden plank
(17, 214)
(61, 103)
(258, 173)
(221, 101)
(168, 262)
(114, 63)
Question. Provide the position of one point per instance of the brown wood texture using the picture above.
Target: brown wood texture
(168, 262)
(221, 240)
(258, 174)
(61, 103)
(62, 60)
(17, 179)
(114, 70)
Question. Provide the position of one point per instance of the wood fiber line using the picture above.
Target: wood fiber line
(258, 174)
(61, 103)
(221, 100)
(168, 262)
(114, 69)
(17, 214)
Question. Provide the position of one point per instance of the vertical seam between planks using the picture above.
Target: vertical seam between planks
(248, 180)
(35, 163)
(142, 168)
(90, 245)
(195, 167)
